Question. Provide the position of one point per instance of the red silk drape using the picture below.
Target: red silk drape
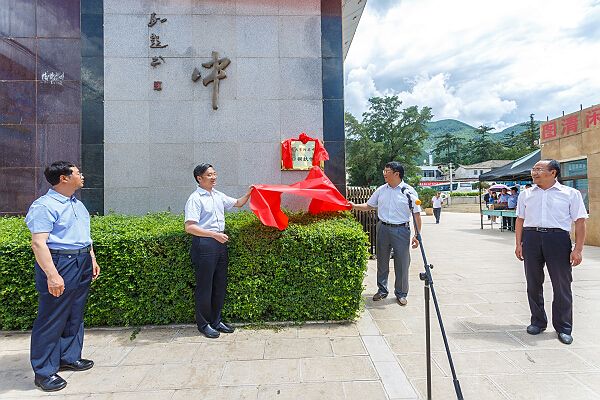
(265, 200)
(319, 155)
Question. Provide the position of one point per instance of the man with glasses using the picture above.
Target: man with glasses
(65, 266)
(545, 213)
(393, 229)
(205, 220)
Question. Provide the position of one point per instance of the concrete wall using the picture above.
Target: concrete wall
(583, 142)
(273, 91)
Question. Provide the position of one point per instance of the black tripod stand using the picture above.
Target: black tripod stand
(428, 282)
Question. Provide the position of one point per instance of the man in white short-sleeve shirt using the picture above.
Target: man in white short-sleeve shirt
(545, 214)
(205, 220)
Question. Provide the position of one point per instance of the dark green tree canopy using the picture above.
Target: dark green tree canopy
(386, 133)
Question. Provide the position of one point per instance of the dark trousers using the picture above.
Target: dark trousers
(552, 249)
(210, 264)
(437, 212)
(397, 238)
(57, 334)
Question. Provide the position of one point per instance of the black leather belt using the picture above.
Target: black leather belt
(395, 225)
(86, 249)
(536, 229)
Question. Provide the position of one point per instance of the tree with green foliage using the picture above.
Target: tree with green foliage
(448, 149)
(482, 147)
(386, 133)
(529, 138)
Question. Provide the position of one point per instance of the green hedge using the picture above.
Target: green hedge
(311, 271)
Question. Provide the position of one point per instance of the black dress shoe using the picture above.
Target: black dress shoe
(52, 383)
(223, 327)
(379, 296)
(565, 338)
(79, 365)
(209, 332)
(535, 330)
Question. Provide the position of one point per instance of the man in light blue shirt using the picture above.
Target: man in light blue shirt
(205, 220)
(64, 268)
(393, 229)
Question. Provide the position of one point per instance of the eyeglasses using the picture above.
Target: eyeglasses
(388, 171)
(538, 169)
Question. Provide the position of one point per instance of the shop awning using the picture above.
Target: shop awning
(518, 170)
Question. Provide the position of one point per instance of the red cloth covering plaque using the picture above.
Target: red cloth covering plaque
(319, 155)
(265, 200)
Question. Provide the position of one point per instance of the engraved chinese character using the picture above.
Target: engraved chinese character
(218, 66)
(155, 42)
(157, 61)
(569, 124)
(154, 20)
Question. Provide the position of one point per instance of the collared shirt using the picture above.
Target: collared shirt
(392, 204)
(555, 207)
(503, 198)
(207, 209)
(437, 201)
(512, 200)
(65, 219)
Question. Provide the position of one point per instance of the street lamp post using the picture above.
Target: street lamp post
(450, 198)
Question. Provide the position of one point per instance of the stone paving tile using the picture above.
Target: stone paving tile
(547, 360)
(327, 330)
(395, 382)
(229, 351)
(161, 353)
(324, 390)
(365, 324)
(461, 299)
(477, 363)
(392, 327)
(298, 348)
(104, 337)
(495, 309)
(549, 340)
(261, 372)
(415, 343)
(589, 354)
(217, 393)
(542, 386)
(183, 376)
(191, 335)
(14, 341)
(589, 379)
(484, 341)
(137, 395)
(472, 387)
(107, 356)
(378, 349)
(491, 323)
(372, 390)
(337, 369)
(260, 334)
(348, 346)
(451, 324)
(415, 365)
(108, 379)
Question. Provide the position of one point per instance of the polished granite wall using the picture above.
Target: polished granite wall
(39, 121)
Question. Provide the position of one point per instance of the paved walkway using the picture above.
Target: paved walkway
(480, 286)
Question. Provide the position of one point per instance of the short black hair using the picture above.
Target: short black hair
(528, 185)
(200, 170)
(396, 167)
(54, 171)
(514, 188)
(554, 165)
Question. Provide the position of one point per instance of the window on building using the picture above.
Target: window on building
(475, 172)
(574, 174)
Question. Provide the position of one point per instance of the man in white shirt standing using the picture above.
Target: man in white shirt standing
(393, 229)
(544, 217)
(205, 220)
(437, 206)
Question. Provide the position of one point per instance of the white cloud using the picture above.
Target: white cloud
(480, 62)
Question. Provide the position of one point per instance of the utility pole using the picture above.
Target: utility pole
(450, 198)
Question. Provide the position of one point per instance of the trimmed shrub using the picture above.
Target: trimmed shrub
(311, 271)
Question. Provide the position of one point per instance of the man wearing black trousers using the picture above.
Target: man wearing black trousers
(544, 217)
(65, 265)
(205, 220)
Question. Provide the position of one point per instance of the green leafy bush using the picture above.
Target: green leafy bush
(425, 195)
(311, 271)
(465, 194)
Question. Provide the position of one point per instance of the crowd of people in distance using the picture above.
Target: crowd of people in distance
(506, 199)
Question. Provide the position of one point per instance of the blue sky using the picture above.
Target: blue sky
(481, 62)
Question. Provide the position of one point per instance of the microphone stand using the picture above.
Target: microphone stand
(428, 287)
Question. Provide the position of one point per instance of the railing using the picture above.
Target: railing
(368, 219)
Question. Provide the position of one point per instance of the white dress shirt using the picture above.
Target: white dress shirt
(392, 204)
(437, 201)
(556, 207)
(207, 209)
